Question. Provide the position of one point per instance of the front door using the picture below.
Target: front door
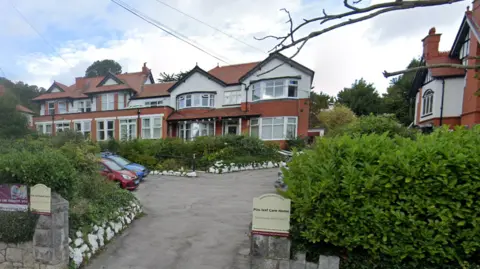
(230, 127)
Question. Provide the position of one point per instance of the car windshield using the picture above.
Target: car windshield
(112, 165)
(121, 161)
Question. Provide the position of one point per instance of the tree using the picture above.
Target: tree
(165, 77)
(318, 101)
(337, 117)
(357, 11)
(361, 98)
(101, 68)
(396, 101)
(12, 123)
(23, 92)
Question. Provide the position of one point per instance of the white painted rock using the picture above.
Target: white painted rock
(84, 248)
(89, 255)
(270, 165)
(77, 257)
(78, 242)
(79, 234)
(69, 240)
(192, 174)
(128, 220)
(95, 228)
(92, 239)
(177, 174)
(109, 233)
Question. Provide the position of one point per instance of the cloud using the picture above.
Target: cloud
(338, 57)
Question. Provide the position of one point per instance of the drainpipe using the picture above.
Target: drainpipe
(246, 95)
(441, 105)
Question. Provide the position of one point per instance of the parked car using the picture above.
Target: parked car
(141, 171)
(125, 178)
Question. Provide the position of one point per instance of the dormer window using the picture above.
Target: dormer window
(464, 50)
(196, 100)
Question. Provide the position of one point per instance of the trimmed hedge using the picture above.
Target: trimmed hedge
(408, 203)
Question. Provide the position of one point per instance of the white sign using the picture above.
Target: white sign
(271, 215)
(40, 199)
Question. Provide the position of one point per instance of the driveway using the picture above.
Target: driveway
(196, 223)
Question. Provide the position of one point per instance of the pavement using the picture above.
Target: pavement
(199, 223)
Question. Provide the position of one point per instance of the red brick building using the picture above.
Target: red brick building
(234, 99)
(447, 95)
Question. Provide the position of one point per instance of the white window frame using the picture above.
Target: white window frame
(121, 101)
(148, 131)
(42, 128)
(62, 126)
(465, 49)
(207, 126)
(108, 101)
(60, 105)
(191, 98)
(105, 129)
(49, 110)
(261, 125)
(154, 103)
(427, 103)
(84, 106)
(276, 89)
(232, 97)
(85, 127)
(131, 127)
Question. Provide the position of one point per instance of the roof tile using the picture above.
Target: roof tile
(154, 90)
(231, 74)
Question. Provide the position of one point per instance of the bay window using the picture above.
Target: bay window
(128, 129)
(152, 128)
(108, 101)
(191, 130)
(84, 106)
(84, 127)
(61, 127)
(105, 129)
(274, 128)
(232, 98)
(195, 100)
(275, 89)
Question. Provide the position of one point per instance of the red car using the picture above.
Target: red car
(111, 170)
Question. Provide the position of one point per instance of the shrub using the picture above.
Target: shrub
(411, 202)
(337, 117)
(17, 226)
(375, 124)
(297, 143)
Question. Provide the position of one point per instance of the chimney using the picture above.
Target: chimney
(145, 69)
(430, 44)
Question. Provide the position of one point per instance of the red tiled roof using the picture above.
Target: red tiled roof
(21, 108)
(231, 74)
(190, 114)
(84, 86)
(153, 90)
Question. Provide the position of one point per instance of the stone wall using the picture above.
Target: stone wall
(273, 252)
(49, 248)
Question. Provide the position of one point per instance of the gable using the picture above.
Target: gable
(110, 82)
(197, 82)
(200, 75)
(55, 89)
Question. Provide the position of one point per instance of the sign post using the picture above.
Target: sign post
(13, 197)
(40, 199)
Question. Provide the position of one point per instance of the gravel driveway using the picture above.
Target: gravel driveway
(190, 223)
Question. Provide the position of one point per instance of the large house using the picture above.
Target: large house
(447, 95)
(234, 99)
(23, 110)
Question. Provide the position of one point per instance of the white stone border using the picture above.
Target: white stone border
(174, 173)
(84, 246)
(220, 168)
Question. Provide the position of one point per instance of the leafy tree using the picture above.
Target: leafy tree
(166, 77)
(101, 68)
(23, 92)
(396, 100)
(318, 101)
(361, 98)
(12, 123)
(337, 117)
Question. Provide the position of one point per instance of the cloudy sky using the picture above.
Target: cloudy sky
(57, 40)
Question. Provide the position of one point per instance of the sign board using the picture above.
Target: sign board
(40, 199)
(13, 197)
(271, 215)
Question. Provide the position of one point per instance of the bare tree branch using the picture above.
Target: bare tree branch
(353, 15)
(429, 66)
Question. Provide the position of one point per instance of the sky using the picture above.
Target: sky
(49, 40)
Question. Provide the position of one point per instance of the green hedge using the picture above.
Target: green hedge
(411, 203)
(67, 164)
(173, 153)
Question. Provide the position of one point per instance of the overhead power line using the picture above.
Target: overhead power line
(165, 29)
(38, 33)
(208, 25)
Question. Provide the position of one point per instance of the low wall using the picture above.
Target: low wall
(49, 247)
(274, 252)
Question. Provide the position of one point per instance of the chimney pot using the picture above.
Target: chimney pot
(432, 31)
